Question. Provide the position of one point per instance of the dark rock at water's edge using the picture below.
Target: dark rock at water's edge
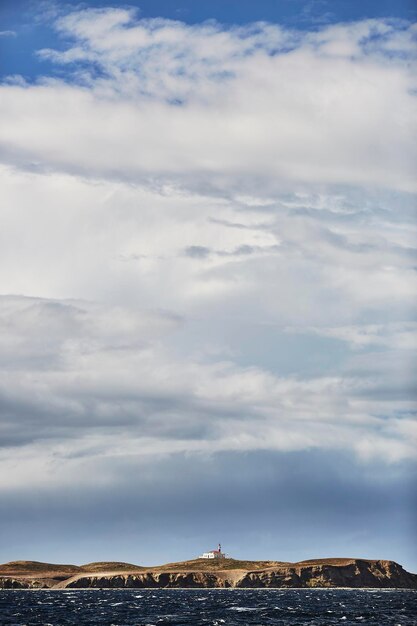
(353, 573)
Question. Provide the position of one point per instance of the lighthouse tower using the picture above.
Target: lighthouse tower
(213, 554)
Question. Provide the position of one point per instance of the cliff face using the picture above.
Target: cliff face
(150, 580)
(323, 573)
(356, 573)
(26, 583)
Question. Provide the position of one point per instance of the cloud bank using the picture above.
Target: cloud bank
(258, 107)
(207, 248)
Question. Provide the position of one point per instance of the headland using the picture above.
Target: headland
(202, 573)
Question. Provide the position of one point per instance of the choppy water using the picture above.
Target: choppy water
(223, 607)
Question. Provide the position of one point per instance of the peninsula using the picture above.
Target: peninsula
(209, 573)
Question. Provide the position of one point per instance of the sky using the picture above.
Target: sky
(208, 280)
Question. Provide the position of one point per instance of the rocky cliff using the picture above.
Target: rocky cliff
(351, 573)
(195, 574)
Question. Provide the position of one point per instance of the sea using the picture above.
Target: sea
(214, 607)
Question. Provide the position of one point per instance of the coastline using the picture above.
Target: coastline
(198, 574)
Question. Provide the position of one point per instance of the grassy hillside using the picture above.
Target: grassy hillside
(107, 566)
(217, 564)
(36, 568)
(45, 570)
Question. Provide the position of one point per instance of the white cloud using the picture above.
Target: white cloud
(261, 105)
(81, 385)
(179, 182)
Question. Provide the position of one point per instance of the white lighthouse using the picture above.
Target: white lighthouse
(213, 554)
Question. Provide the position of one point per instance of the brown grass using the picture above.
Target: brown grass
(50, 570)
(105, 566)
(36, 568)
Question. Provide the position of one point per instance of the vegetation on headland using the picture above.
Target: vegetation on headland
(216, 573)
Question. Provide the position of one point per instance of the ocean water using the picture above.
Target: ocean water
(214, 607)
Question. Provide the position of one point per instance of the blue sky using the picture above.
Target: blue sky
(207, 280)
(23, 18)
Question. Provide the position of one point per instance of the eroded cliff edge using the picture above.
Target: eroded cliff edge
(353, 573)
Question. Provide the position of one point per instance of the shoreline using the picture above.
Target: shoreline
(198, 574)
(199, 589)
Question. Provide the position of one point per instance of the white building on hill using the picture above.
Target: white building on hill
(213, 554)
